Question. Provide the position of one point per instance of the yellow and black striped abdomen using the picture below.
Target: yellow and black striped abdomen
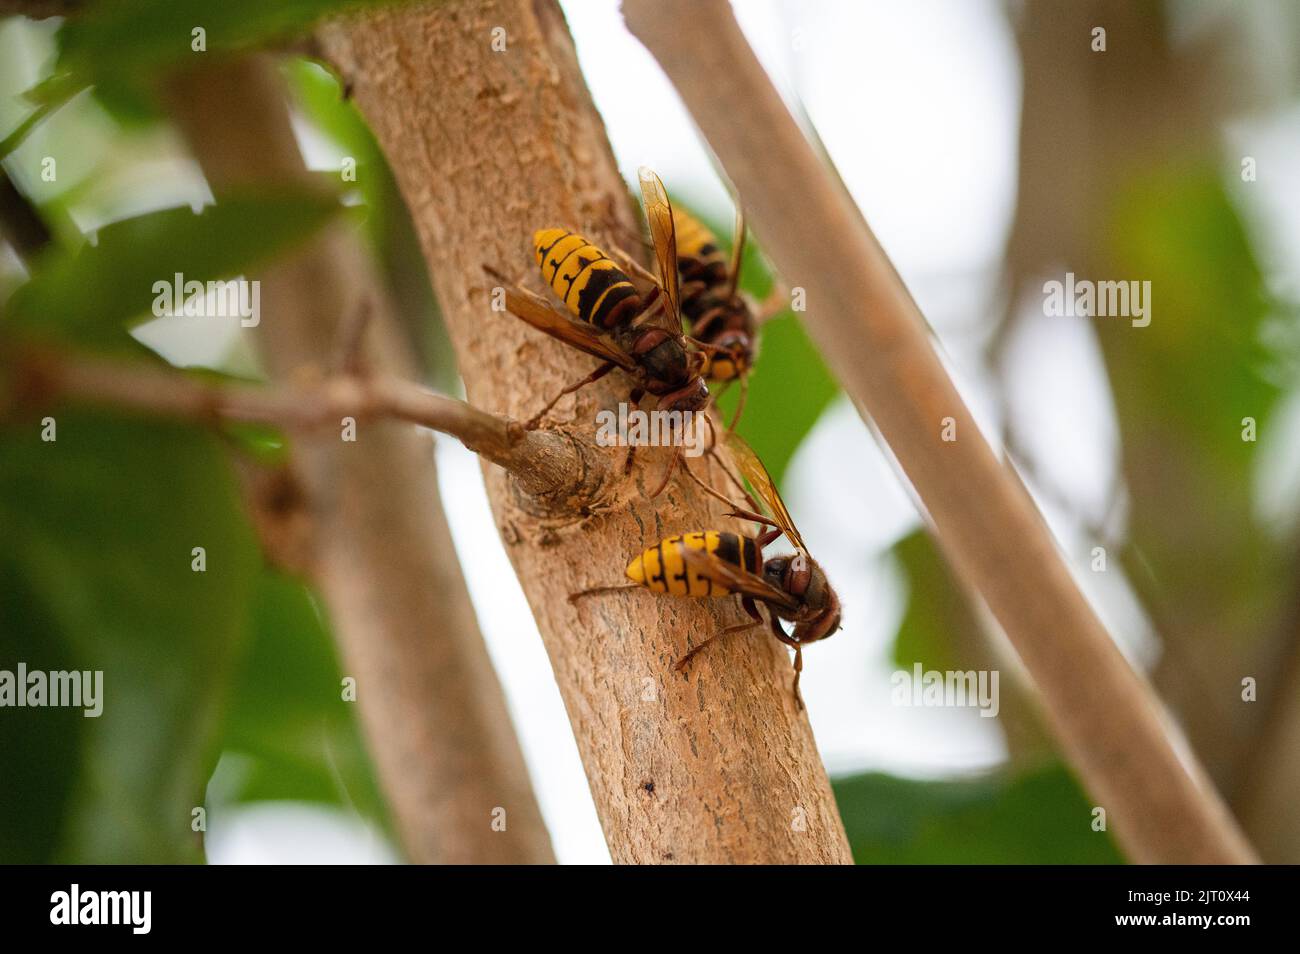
(662, 569)
(592, 287)
(698, 256)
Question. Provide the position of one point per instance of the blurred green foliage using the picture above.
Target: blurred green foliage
(1188, 381)
(938, 620)
(115, 40)
(85, 295)
(98, 576)
(99, 524)
(120, 48)
(288, 729)
(40, 747)
(99, 528)
(1036, 818)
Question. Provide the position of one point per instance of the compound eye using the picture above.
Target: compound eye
(697, 397)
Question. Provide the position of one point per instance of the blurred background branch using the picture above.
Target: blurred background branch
(544, 463)
(1116, 178)
(434, 715)
(873, 335)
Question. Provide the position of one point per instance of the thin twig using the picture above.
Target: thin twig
(534, 457)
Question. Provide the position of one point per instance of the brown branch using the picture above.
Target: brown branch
(20, 223)
(430, 705)
(873, 336)
(40, 9)
(546, 464)
(716, 765)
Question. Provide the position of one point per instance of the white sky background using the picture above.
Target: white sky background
(918, 103)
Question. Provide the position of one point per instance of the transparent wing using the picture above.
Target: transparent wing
(535, 310)
(763, 485)
(659, 213)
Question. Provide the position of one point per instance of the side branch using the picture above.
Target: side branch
(546, 464)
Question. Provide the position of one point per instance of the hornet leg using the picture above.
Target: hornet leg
(672, 466)
(743, 514)
(633, 400)
(633, 267)
(596, 375)
(595, 590)
(777, 301)
(705, 487)
(780, 634)
(740, 405)
(755, 620)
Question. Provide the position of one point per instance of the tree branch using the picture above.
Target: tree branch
(874, 337)
(1268, 772)
(20, 223)
(431, 708)
(489, 145)
(40, 9)
(546, 464)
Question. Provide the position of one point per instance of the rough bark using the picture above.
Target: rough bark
(1161, 806)
(714, 766)
(381, 553)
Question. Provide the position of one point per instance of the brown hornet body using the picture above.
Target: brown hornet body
(713, 563)
(670, 568)
(599, 293)
(609, 317)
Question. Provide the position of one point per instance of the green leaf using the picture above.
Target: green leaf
(1183, 386)
(100, 526)
(19, 133)
(38, 747)
(289, 733)
(938, 620)
(1203, 346)
(789, 389)
(134, 37)
(1036, 818)
(88, 294)
(317, 92)
(133, 105)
